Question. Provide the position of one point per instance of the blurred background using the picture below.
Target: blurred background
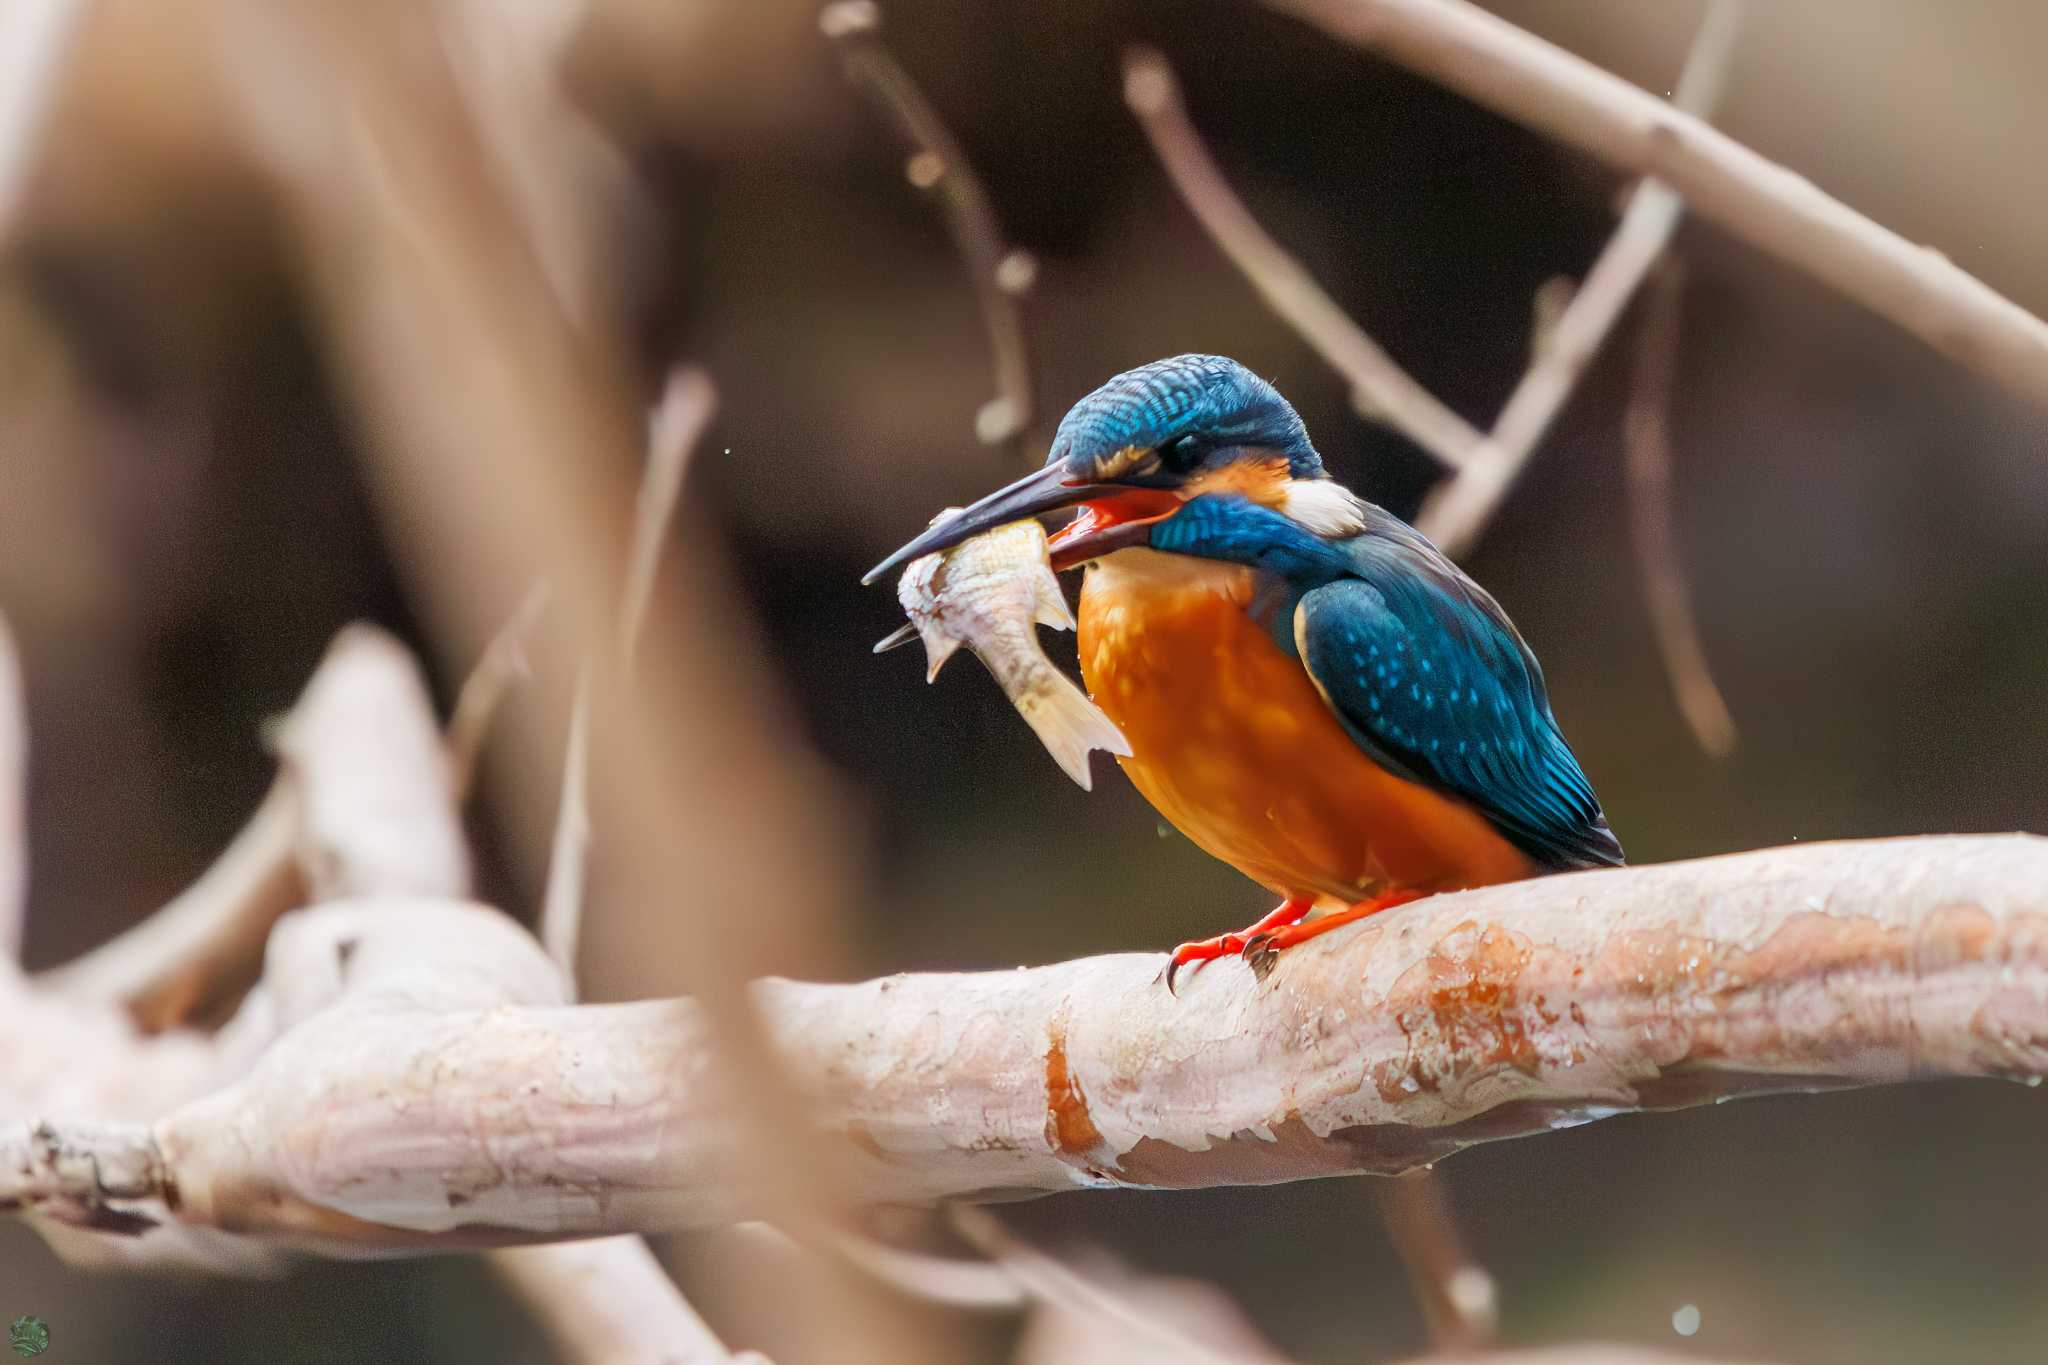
(185, 521)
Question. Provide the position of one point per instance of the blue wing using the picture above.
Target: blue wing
(1430, 677)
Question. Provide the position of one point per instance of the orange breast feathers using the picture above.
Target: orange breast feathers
(1233, 744)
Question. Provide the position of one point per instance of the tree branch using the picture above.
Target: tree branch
(1521, 77)
(1466, 1018)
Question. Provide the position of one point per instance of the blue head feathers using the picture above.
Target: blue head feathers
(1194, 410)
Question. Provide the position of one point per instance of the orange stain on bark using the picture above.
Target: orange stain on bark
(1068, 1126)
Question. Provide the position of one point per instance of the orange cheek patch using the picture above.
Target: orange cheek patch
(1261, 481)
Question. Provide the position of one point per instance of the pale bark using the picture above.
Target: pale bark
(499, 1116)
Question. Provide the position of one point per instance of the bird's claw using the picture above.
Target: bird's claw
(1252, 944)
(1259, 954)
(1198, 952)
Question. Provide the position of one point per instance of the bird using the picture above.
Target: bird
(1312, 692)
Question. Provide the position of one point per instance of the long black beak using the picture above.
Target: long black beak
(1046, 491)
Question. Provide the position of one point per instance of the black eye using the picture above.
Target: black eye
(1181, 454)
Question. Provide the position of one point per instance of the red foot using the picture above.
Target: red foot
(1262, 948)
(1285, 914)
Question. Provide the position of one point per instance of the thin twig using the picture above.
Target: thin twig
(1457, 1294)
(13, 803)
(501, 666)
(673, 430)
(561, 905)
(688, 403)
(1002, 273)
(1646, 440)
(1543, 87)
(1457, 512)
(1380, 389)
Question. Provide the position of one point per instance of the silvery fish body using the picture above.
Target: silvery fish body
(991, 594)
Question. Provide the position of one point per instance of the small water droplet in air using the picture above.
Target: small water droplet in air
(1016, 272)
(1471, 1290)
(1686, 1320)
(997, 421)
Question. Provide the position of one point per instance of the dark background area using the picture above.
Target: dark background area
(183, 526)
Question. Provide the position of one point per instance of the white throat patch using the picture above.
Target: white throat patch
(1325, 507)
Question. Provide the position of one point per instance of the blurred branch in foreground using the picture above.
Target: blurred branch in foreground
(477, 382)
(1521, 77)
(677, 424)
(35, 36)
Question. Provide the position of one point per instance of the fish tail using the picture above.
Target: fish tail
(1069, 725)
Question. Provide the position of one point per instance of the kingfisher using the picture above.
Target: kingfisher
(1312, 691)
